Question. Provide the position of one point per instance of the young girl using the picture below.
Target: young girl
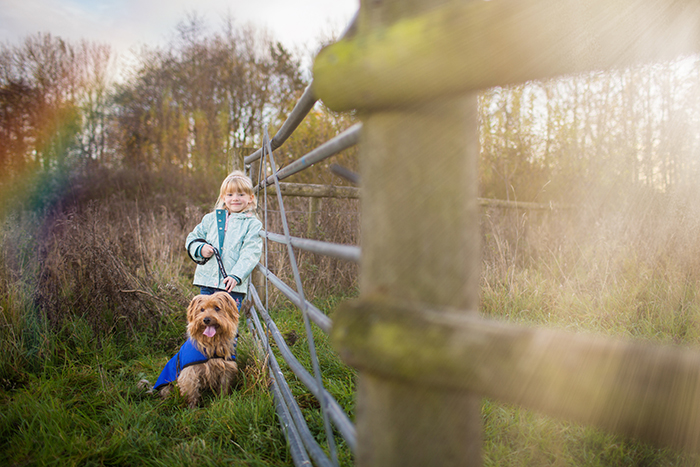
(232, 229)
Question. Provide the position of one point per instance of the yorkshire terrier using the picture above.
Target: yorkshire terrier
(207, 360)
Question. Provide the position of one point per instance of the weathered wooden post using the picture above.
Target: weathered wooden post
(312, 223)
(420, 245)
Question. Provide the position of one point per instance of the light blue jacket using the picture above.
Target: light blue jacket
(240, 252)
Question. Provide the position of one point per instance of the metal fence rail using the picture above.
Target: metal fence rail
(316, 315)
(300, 110)
(338, 416)
(343, 141)
(346, 252)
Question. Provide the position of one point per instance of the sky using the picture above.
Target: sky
(127, 24)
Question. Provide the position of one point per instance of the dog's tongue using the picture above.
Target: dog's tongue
(209, 331)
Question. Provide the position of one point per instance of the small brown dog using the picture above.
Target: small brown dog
(207, 360)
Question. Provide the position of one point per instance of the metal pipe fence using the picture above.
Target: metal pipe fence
(303, 446)
(343, 141)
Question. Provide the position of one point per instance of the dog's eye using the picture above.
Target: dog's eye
(201, 310)
(217, 309)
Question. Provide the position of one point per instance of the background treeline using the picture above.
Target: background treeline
(198, 104)
(605, 135)
(201, 101)
(53, 107)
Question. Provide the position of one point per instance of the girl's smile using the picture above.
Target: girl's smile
(237, 202)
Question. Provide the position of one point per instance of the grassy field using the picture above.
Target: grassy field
(74, 400)
(94, 285)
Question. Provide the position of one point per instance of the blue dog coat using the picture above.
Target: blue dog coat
(188, 355)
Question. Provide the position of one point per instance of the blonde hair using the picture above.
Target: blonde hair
(237, 182)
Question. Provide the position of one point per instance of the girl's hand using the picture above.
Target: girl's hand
(230, 283)
(207, 251)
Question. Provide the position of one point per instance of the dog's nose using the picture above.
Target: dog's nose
(207, 320)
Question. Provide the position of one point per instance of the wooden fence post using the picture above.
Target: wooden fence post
(312, 225)
(420, 238)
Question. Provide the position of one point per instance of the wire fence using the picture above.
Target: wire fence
(262, 169)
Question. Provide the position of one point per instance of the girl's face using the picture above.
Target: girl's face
(237, 201)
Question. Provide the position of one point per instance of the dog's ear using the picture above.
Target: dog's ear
(192, 309)
(230, 305)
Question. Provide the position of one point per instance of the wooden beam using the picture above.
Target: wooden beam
(465, 46)
(651, 392)
(349, 192)
(315, 191)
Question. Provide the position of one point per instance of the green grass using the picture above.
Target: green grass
(82, 406)
(517, 437)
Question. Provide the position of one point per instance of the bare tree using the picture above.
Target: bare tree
(51, 97)
(195, 103)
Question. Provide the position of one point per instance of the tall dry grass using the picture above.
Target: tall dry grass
(331, 220)
(628, 268)
(111, 250)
